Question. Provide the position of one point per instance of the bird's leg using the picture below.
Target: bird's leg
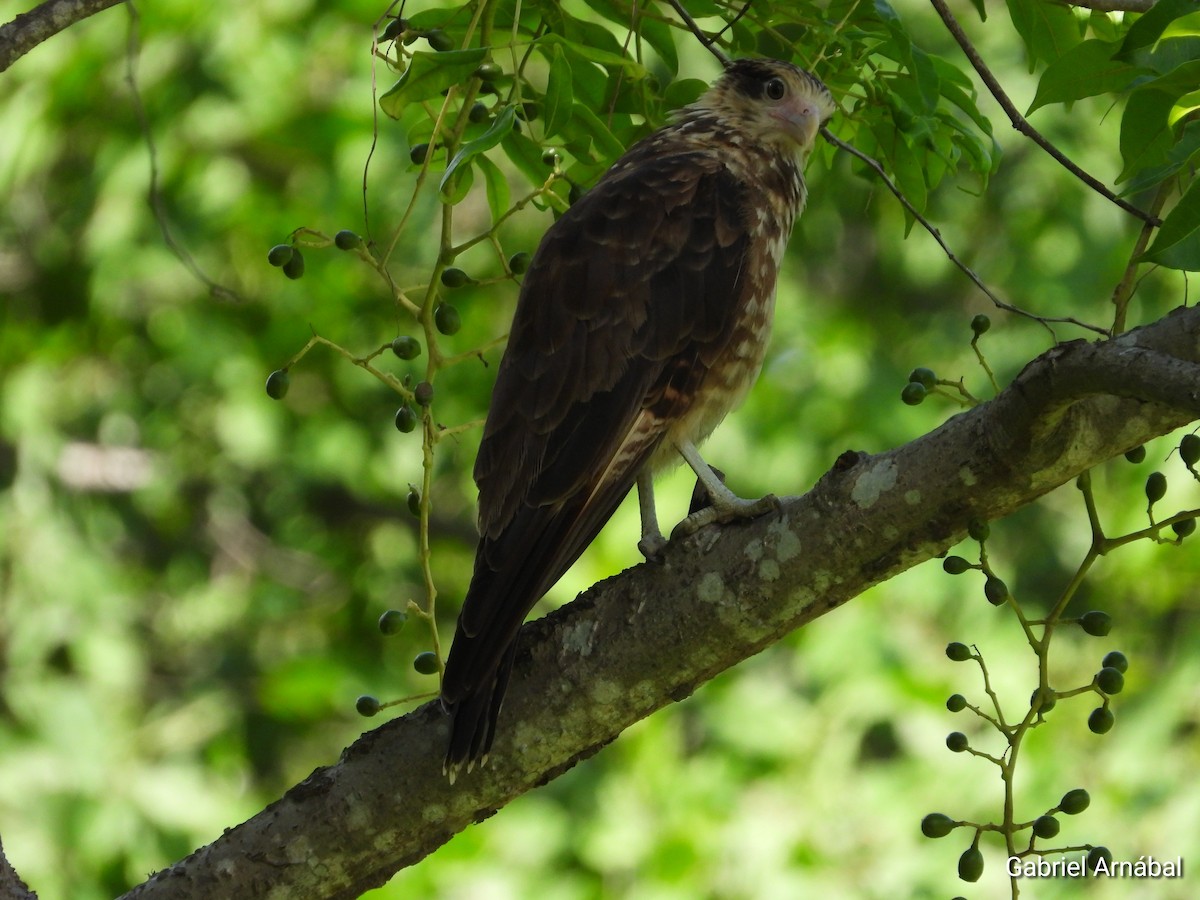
(725, 506)
(652, 542)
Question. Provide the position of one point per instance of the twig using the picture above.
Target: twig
(1018, 121)
(41, 23)
(707, 42)
(937, 236)
(156, 201)
(1123, 292)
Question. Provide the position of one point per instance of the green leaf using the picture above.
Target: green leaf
(454, 189)
(1146, 138)
(1188, 103)
(1179, 157)
(526, 155)
(1177, 244)
(916, 60)
(498, 193)
(1085, 70)
(1049, 30)
(1149, 27)
(559, 93)
(427, 75)
(683, 92)
(486, 141)
(586, 124)
(632, 67)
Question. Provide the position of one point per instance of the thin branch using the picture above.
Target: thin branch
(41, 23)
(937, 236)
(133, 48)
(1018, 121)
(707, 41)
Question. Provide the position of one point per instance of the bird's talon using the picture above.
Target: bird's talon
(652, 547)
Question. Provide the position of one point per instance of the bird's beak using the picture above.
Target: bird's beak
(800, 119)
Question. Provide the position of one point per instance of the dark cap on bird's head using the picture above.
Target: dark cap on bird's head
(774, 101)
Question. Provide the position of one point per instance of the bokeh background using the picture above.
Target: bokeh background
(191, 573)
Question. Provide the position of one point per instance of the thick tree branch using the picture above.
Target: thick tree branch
(650, 636)
(41, 23)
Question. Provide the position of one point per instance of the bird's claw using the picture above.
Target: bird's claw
(739, 508)
(652, 546)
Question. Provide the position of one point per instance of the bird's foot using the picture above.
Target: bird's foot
(725, 509)
(652, 545)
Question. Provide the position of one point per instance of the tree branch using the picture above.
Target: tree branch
(1019, 122)
(41, 23)
(649, 636)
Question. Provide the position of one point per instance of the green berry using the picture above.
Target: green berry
(1095, 855)
(294, 267)
(1189, 449)
(406, 419)
(426, 663)
(550, 157)
(418, 153)
(478, 112)
(1156, 487)
(1048, 697)
(406, 347)
(957, 742)
(1115, 659)
(970, 864)
(978, 530)
(958, 651)
(955, 565)
(1074, 802)
(936, 825)
(980, 324)
(423, 393)
(414, 501)
(914, 393)
(439, 40)
(923, 376)
(447, 319)
(1183, 527)
(367, 705)
(488, 71)
(956, 703)
(995, 590)
(1136, 455)
(279, 255)
(394, 29)
(1096, 623)
(454, 277)
(278, 383)
(1101, 720)
(1045, 826)
(518, 263)
(347, 240)
(1110, 680)
(392, 621)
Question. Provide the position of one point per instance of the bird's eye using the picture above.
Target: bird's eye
(775, 89)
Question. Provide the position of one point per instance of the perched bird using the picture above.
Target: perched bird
(642, 320)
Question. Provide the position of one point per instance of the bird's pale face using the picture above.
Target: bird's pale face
(774, 103)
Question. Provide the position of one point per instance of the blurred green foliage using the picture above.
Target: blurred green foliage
(191, 573)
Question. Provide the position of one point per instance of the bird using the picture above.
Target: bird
(641, 322)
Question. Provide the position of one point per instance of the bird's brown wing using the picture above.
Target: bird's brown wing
(629, 298)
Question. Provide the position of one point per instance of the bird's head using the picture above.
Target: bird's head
(770, 102)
